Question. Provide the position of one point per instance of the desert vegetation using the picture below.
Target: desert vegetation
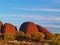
(21, 38)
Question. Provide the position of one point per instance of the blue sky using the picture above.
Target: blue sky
(42, 12)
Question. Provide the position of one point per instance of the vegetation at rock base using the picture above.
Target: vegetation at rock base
(51, 39)
(54, 41)
(8, 37)
(49, 36)
(27, 37)
(20, 35)
(37, 37)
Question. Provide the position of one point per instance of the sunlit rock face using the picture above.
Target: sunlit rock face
(29, 28)
(43, 30)
(9, 28)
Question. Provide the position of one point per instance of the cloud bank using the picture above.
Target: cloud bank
(39, 9)
(26, 16)
(20, 17)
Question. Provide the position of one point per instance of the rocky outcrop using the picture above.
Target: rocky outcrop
(29, 28)
(26, 27)
(1, 26)
(9, 28)
(43, 30)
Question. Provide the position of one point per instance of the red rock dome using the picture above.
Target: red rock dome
(43, 30)
(9, 28)
(29, 28)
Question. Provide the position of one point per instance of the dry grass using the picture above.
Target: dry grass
(15, 42)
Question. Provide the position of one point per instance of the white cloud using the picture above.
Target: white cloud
(39, 9)
(52, 26)
(20, 17)
(29, 17)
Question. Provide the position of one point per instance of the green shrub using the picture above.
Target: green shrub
(8, 37)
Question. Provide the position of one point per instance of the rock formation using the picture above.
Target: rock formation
(29, 28)
(9, 28)
(26, 27)
(43, 30)
(1, 26)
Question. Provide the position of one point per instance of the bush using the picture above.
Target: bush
(55, 41)
(38, 37)
(49, 36)
(20, 35)
(8, 37)
(27, 37)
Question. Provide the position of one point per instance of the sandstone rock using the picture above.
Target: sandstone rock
(43, 30)
(9, 28)
(29, 28)
(1, 25)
